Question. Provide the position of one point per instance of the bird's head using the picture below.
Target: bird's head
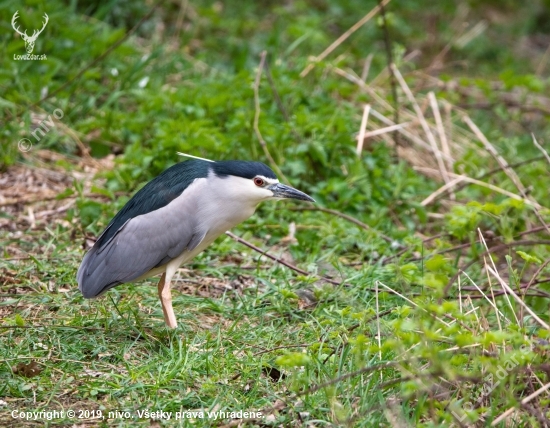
(254, 182)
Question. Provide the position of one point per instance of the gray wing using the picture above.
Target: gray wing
(141, 244)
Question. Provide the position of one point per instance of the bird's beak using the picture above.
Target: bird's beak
(286, 192)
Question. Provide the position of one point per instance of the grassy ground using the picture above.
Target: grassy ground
(420, 296)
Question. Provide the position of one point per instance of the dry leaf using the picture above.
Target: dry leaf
(31, 369)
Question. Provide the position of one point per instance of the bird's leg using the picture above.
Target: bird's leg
(165, 296)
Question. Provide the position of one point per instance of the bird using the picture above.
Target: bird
(173, 218)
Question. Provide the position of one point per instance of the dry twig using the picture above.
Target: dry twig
(343, 37)
(288, 265)
(431, 139)
(523, 402)
(505, 167)
(507, 288)
(348, 218)
(440, 129)
(483, 184)
(538, 146)
(362, 130)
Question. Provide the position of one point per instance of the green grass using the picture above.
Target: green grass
(254, 335)
(217, 358)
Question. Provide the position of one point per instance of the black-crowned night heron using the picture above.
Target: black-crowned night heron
(172, 219)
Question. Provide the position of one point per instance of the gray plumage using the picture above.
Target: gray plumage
(165, 219)
(143, 243)
(172, 219)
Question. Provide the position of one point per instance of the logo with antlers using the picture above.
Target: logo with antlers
(29, 40)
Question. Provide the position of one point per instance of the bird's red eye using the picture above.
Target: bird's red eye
(258, 181)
